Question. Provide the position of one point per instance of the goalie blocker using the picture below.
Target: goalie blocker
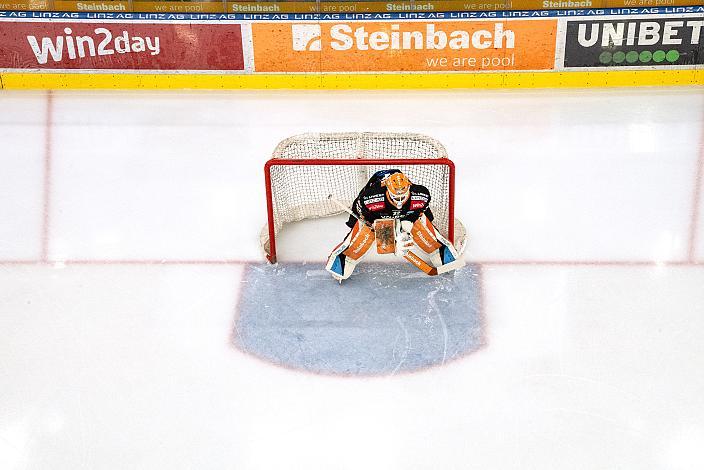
(396, 214)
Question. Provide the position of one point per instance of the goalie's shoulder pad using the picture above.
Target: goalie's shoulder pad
(420, 190)
(373, 198)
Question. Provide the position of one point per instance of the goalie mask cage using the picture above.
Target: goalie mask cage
(306, 169)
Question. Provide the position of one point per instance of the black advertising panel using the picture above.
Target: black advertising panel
(634, 42)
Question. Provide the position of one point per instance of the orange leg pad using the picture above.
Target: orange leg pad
(362, 239)
(424, 235)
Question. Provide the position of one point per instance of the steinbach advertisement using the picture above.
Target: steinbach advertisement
(120, 46)
(634, 42)
(404, 46)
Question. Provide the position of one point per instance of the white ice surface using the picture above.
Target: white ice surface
(114, 366)
(22, 138)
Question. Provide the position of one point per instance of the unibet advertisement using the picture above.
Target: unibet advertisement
(120, 46)
(404, 46)
(634, 42)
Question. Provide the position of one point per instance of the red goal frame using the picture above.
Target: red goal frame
(271, 256)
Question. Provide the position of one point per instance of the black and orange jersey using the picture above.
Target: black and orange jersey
(372, 203)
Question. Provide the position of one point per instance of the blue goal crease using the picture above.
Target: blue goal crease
(384, 319)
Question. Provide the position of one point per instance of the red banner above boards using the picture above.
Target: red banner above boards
(121, 46)
(327, 7)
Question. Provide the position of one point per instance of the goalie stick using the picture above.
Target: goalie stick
(411, 257)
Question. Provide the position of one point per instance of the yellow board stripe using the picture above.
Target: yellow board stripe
(351, 81)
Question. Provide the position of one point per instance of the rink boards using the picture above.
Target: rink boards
(557, 48)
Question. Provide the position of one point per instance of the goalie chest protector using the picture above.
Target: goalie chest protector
(373, 204)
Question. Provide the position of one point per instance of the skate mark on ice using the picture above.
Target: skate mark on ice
(405, 349)
(434, 307)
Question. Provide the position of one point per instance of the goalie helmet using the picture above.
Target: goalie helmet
(398, 188)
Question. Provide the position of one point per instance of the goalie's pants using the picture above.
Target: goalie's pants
(359, 240)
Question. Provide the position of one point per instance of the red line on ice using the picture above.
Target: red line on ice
(693, 230)
(235, 262)
(47, 177)
(196, 262)
(595, 263)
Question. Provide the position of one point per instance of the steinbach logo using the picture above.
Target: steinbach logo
(651, 42)
(419, 234)
(309, 37)
(306, 37)
(81, 46)
(361, 244)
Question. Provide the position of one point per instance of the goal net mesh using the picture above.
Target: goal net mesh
(300, 192)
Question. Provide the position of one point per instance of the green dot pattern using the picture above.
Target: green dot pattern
(644, 57)
(632, 57)
(619, 57)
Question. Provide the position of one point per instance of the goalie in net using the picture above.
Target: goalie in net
(394, 213)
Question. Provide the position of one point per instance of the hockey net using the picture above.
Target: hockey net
(306, 169)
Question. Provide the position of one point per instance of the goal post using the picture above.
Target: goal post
(306, 169)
